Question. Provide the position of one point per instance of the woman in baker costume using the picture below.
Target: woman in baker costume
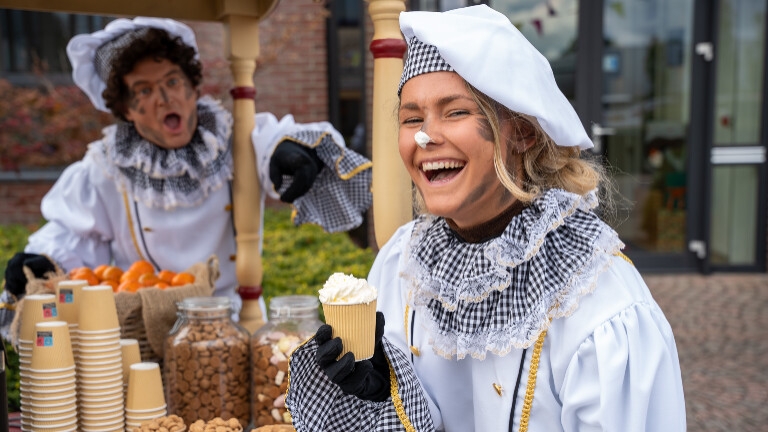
(508, 304)
(158, 185)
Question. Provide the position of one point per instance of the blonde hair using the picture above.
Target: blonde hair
(545, 164)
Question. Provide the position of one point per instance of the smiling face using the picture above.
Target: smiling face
(162, 103)
(455, 171)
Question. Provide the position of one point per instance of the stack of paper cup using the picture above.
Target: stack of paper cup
(52, 394)
(68, 293)
(99, 367)
(131, 355)
(37, 308)
(145, 400)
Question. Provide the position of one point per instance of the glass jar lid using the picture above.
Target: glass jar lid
(293, 306)
(207, 304)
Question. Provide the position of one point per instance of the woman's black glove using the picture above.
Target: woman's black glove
(366, 379)
(16, 280)
(292, 159)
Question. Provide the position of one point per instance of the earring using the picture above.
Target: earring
(422, 139)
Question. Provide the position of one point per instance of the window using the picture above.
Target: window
(34, 43)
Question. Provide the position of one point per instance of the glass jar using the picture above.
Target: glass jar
(292, 320)
(207, 363)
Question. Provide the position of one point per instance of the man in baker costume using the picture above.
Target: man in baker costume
(529, 319)
(158, 185)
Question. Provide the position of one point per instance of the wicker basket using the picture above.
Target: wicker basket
(146, 315)
(149, 314)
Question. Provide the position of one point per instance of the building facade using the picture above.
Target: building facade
(672, 92)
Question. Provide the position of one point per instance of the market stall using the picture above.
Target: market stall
(392, 192)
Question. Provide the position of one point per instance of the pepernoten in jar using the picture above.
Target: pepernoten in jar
(207, 363)
(292, 320)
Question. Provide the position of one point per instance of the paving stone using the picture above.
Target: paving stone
(720, 324)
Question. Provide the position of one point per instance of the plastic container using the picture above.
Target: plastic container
(292, 320)
(206, 365)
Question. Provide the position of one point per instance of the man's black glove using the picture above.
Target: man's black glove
(292, 159)
(366, 379)
(16, 280)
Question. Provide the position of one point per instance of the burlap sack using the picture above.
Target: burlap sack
(149, 314)
(45, 285)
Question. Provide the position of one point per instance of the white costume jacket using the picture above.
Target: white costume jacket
(581, 347)
(128, 200)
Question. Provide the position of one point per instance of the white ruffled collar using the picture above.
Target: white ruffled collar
(161, 178)
(500, 294)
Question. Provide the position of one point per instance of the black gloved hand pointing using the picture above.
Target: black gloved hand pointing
(366, 379)
(298, 161)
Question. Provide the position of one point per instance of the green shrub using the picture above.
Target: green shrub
(296, 260)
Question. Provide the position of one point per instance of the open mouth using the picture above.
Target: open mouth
(443, 170)
(172, 121)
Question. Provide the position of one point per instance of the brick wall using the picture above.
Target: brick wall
(20, 201)
(292, 72)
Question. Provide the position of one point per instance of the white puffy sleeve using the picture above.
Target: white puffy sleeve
(625, 376)
(78, 230)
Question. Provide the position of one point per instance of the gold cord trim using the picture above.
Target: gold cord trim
(8, 306)
(397, 402)
(525, 415)
(405, 321)
(354, 172)
(624, 257)
(317, 142)
(130, 225)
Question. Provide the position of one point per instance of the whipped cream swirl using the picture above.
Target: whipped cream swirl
(347, 289)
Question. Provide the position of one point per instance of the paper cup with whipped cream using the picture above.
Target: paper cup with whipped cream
(349, 305)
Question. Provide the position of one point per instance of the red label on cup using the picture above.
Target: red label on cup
(44, 339)
(49, 310)
(66, 296)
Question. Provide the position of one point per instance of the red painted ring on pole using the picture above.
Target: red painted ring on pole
(249, 292)
(243, 93)
(388, 48)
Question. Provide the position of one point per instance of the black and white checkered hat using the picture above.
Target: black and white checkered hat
(422, 58)
(92, 53)
(106, 54)
(489, 52)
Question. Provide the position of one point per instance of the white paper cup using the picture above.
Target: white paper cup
(97, 309)
(145, 387)
(86, 384)
(68, 292)
(37, 308)
(106, 331)
(355, 324)
(144, 411)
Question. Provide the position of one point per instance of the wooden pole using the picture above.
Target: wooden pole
(243, 37)
(391, 183)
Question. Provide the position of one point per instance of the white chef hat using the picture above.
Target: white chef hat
(484, 48)
(91, 54)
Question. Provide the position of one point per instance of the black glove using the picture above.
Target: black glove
(294, 160)
(15, 280)
(366, 379)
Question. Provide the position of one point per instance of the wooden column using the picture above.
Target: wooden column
(391, 183)
(243, 35)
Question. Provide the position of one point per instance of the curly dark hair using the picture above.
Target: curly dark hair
(156, 44)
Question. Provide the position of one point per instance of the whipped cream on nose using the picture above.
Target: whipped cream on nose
(422, 139)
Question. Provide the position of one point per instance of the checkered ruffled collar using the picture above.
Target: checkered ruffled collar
(500, 294)
(162, 178)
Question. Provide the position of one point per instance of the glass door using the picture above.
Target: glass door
(737, 157)
(643, 131)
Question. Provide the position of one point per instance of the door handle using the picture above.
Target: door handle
(706, 50)
(597, 133)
